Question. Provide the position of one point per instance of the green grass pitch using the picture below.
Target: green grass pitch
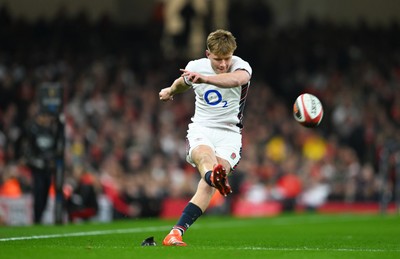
(285, 236)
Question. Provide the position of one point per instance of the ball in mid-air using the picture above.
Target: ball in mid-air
(308, 110)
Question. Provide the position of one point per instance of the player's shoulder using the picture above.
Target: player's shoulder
(239, 63)
(196, 64)
(200, 61)
(238, 59)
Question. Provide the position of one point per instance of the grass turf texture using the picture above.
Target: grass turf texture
(285, 236)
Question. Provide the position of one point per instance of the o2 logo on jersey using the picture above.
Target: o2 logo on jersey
(213, 97)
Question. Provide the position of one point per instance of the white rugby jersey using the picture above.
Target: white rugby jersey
(216, 106)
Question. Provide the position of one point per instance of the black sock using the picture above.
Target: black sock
(188, 217)
(207, 178)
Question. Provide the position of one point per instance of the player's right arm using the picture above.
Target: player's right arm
(178, 86)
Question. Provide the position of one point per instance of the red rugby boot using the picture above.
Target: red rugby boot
(219, 179)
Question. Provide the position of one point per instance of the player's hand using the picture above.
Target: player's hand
(193, 76)
(165, 94)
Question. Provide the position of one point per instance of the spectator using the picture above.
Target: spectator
(81, 195)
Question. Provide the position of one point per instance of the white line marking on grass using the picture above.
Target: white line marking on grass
(291, 249)
(112, 231)
(89, 233)
(315, 249)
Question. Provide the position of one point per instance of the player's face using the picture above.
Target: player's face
(220, 64)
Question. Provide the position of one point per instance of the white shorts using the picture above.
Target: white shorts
(226, 144)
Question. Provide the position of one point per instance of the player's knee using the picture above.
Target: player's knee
(203, 155)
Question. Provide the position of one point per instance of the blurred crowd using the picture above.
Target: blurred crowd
(132, 147)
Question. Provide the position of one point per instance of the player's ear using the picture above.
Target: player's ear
(207, 53)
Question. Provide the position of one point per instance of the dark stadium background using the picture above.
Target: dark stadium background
(112, 57)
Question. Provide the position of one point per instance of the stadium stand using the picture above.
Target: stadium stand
(134, 146)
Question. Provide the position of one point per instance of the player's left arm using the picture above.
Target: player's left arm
(224, 80)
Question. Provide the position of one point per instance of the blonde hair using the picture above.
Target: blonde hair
(221, 42)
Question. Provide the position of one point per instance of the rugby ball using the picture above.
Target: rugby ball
(308, 110)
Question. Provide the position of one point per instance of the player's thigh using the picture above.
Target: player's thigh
(229, 148)
(203, 153)
(198, 142)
